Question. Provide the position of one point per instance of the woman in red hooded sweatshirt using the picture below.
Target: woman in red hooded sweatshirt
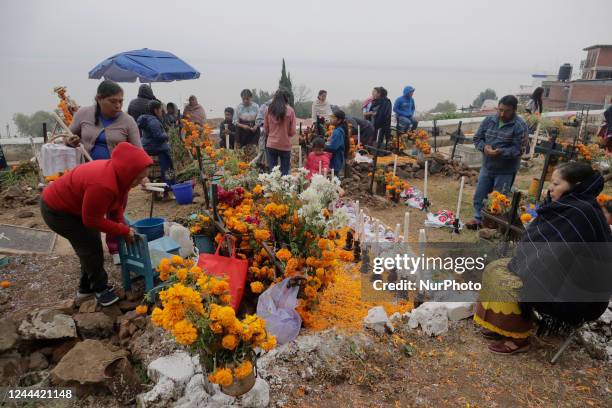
(76, 206)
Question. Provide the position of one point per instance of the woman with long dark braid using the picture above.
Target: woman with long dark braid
(100, 128)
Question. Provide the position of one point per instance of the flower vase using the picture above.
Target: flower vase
(381, 189)
(240, 387)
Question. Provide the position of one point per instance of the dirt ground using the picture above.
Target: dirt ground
(454, 370)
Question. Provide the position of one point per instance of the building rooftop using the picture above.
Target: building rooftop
(598, 46)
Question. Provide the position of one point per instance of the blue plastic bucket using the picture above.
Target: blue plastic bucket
(183, 192)
(204, 244)
(153, 228)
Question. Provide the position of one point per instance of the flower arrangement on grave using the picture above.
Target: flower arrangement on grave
(195, 311)
(195, 135)
(200, 224)
(603, 198)
(66, 107)
(394, 186)
(497, 203)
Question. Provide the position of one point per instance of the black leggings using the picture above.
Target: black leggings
(86, 243)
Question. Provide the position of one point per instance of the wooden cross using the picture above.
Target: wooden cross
(508, 224)
(552, 151)
(458, 137)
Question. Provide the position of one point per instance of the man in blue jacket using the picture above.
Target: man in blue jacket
(404, 109)
(499, 138)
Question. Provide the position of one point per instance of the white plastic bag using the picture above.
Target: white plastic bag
(277, 307)
(181, 235)
(56, 158)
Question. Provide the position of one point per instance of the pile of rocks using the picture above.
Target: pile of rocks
(180, 383)
(433, 317)
(358, 183)
(82, 346)
(16, 196)
(597, 336)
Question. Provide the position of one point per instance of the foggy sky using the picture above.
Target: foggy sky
(447, 49)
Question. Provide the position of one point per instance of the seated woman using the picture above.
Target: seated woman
(155, 140)
(547, 273)
(76, 205)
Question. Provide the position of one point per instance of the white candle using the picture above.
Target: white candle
(376, 230)
(319, 167)
(425, 185)
(397, 232)
(406, 226)
(358, 135)
(534, 142)
(422, 236)
(227, 143)
(357, 208)
(395, 164)
(459, 199)
(332, 173)
(300, 156)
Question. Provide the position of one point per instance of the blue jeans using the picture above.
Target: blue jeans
(166, 167)
(285, 159)
(488, 183)
(406, 123)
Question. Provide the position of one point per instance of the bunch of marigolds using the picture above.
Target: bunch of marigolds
(394, 185)
(196, 136)
(195, 311)
(497, 203)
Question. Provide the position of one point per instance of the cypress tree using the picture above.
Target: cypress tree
(285, 83)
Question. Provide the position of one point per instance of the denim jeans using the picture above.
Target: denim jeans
(406, 123)
(285, 159)
(486, 184)
(166, 167)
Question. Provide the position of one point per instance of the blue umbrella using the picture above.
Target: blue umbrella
(145, 65)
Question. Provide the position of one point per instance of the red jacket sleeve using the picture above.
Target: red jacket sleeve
(96, 204)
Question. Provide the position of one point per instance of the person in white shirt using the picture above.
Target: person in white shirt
(321, 111)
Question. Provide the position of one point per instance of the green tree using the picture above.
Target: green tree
(31, 125)
(354, 108)
(260, 96)
(484, 95)
(285, 83)
(445, 107)
(303, 110)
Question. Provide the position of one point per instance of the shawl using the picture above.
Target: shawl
(565, 253)
(195, 114)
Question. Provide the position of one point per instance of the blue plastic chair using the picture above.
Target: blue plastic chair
(135, 258)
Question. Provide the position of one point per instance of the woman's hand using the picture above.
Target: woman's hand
(131, 237)
(143, 183)
(72, 141)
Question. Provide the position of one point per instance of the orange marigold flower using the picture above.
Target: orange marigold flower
(283, 254)
(257, 287)
(5, 284)
(243, 370)
(525, 218)
(229, 342)
(185, 332)
(142, 309)
(222, 376)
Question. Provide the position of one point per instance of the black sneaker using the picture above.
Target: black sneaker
(106, 297)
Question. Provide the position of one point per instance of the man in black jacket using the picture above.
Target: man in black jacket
(140, 105)
(382, 108)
